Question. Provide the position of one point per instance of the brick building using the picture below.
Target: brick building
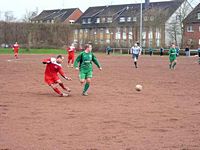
(192, 28)
(67, 16)
(119, 25)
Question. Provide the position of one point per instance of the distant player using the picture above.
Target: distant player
(172, 57)
(16, 49)
(85, 68)
(136, 51)
(53, 67)
(71, 55)
(198, 51)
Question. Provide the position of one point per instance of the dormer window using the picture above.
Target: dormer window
(122, 19)
(84, 21)
(134, 18)
(128, 19)
(109, 19)
(98, 20)
(198, 16)
(103, 20)
(89, 20)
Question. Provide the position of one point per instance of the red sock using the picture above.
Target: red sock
(57, 91)
(62, 85)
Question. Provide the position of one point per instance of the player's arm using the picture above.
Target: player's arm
(77, 60)
(94, 59)
(61, 72)
(46, 61)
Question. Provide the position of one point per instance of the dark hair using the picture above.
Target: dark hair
(59, 56)
(87, 45)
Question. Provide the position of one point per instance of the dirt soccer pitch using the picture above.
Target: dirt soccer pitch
(165, 115)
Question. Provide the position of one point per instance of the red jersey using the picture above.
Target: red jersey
(71, 49)
(52, 70)
(16, 47)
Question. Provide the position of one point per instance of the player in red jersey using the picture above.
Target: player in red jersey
(71, 53)
(16, 49)
(54, 67)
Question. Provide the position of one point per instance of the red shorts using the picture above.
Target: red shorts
(51, 80)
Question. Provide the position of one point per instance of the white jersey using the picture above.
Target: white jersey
(135, 50)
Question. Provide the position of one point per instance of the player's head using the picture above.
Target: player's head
(135, 45)
(59, 59)
(88, 47)
(173, 45)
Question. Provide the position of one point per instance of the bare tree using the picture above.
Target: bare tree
(176, 28)
(29, 15)
(9, 17)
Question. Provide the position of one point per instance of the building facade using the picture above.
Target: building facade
(66, 16)
(119, 25)
(192, 28)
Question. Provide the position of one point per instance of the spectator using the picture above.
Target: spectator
(161, 51)
(187, 51)
(108, 50)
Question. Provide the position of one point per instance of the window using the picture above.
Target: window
(128, 19)
(189, 29)
(124, 34)
(103, 20)
(152, 18)
(145, 18)
(198, 16)
(122, 19)
(83, 21)
(98, 20)
(118, 34)
(89, 20)
(134, 18)
(109, 19)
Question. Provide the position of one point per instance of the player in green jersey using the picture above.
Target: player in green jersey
(84, 60)
(172, 57)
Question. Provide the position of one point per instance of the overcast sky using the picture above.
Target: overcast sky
(20, 7)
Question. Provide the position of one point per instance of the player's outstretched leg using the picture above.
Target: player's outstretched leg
(55, 88)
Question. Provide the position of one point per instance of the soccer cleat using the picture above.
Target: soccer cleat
(68, 89)
(64, 95)
(85, 94)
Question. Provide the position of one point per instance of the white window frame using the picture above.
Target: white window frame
(97, 20)
(109, 19)
(128, 19)
(89, 20)
(190, 29)
(122, 19)
(152, 18)
(134, 18)
(84, 21)
(103, 20)
(145, 18)
(198, 16)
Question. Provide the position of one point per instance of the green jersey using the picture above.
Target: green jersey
(172, 54)
(85, 61)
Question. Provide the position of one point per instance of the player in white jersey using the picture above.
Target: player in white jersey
(136, 51)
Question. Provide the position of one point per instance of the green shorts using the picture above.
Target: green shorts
(85, 75)
(171, 59)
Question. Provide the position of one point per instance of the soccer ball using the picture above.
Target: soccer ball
(138, 87)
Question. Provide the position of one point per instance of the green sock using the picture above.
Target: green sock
(174, 65)
(86, 86)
